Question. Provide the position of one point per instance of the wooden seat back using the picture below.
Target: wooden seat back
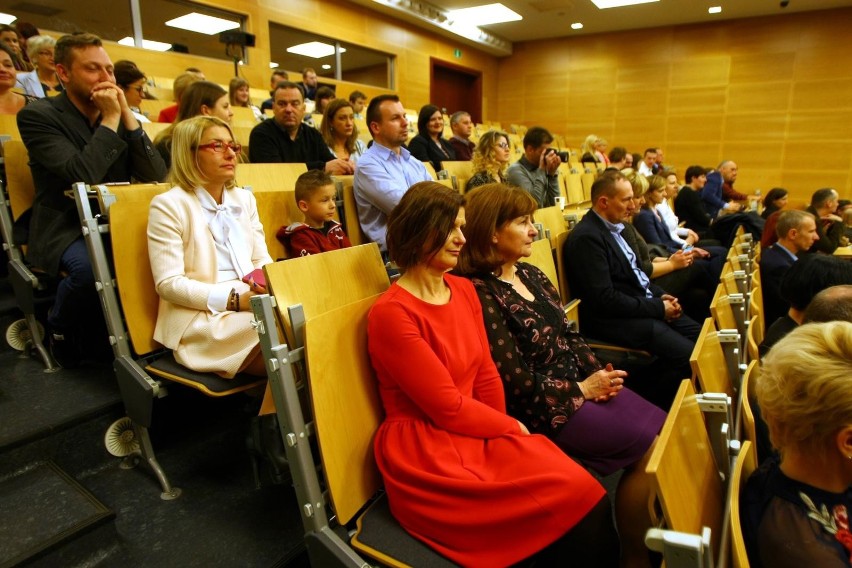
(722, 310)
(276, 209)
(19, 178)
(708, 363)
(755, 337)
(9, 126)
(243, 116)
(542, 258)
(346, 407)
(683, 471)
(743, 468)
(128, 218)
(431, 169)
(553, 220)
(269, 177)
(564, 292)
(748, 428)
(350, 211)
(323, 282)
(153, 129)
(462, 170)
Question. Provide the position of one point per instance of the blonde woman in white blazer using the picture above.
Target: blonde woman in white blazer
(204, 235)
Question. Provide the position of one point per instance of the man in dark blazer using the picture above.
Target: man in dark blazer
(797, 232)
(619, 302)
(85, 134)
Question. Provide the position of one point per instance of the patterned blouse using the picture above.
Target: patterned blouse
(536, 353)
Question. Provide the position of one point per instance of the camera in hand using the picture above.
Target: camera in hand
(563, 156)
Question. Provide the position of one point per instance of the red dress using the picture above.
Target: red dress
(459, 474)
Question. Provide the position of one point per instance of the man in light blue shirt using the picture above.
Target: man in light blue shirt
(386, 170)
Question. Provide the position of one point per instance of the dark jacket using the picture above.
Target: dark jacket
(269, 143)
(425, 150)
(63, 150)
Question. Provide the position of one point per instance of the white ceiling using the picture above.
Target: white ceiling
(553, 18)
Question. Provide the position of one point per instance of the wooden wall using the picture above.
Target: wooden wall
(339, 19)
(774, 94)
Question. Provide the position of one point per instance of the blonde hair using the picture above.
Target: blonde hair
(484, 157)
(186, 137)
(638, 181)
(805, 388)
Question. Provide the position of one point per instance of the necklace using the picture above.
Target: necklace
(510, 281)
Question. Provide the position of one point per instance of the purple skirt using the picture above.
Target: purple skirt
(608, 436)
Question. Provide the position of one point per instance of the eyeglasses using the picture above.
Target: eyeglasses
(46, 53)
(219, 147)
(503, 145)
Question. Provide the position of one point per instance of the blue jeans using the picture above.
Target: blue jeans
(76, 297)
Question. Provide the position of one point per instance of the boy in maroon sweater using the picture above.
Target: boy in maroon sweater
(320, 232)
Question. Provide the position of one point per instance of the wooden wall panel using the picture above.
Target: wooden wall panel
(697, 100)
(761, 91)
(759, 97)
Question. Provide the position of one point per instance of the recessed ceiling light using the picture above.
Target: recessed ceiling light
(484, 15)
(577, 26)
(7, 18)
(714, 10)
(315, 49)
(202, 24)
(326, 66)
(604, 4)
(272, 65)
(146, 44)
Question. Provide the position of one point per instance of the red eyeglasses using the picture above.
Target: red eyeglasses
(219, 147)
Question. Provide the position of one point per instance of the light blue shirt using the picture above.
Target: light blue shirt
(615, 230)
(381, 179)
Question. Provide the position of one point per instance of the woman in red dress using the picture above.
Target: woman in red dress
(460, 474)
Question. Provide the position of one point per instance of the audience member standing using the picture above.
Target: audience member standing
(86, 133)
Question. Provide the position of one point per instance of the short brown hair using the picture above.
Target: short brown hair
(419, 225)
(490, 207)
(309, 182)
(605, 185)
(67, 43)
(790, 219)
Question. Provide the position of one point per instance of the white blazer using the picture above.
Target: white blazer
(183, 256)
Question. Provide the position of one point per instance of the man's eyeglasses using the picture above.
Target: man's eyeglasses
(219, 147)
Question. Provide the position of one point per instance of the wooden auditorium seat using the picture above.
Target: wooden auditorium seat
(269, 177)
(153, 129)
(553, 221)
(349, 217)
(542, 258)
(29, 284)
(9, 126)
(744, 466)
(687, 485)
(461, 171)
(711, 369)
(331, 320)
(130, 304)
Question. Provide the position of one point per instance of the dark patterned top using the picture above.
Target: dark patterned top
(536, 353)
(481, 178)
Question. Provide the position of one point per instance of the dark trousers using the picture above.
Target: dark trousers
(76, 298)
(671, 343)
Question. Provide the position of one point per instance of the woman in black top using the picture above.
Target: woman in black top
(428, 145)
